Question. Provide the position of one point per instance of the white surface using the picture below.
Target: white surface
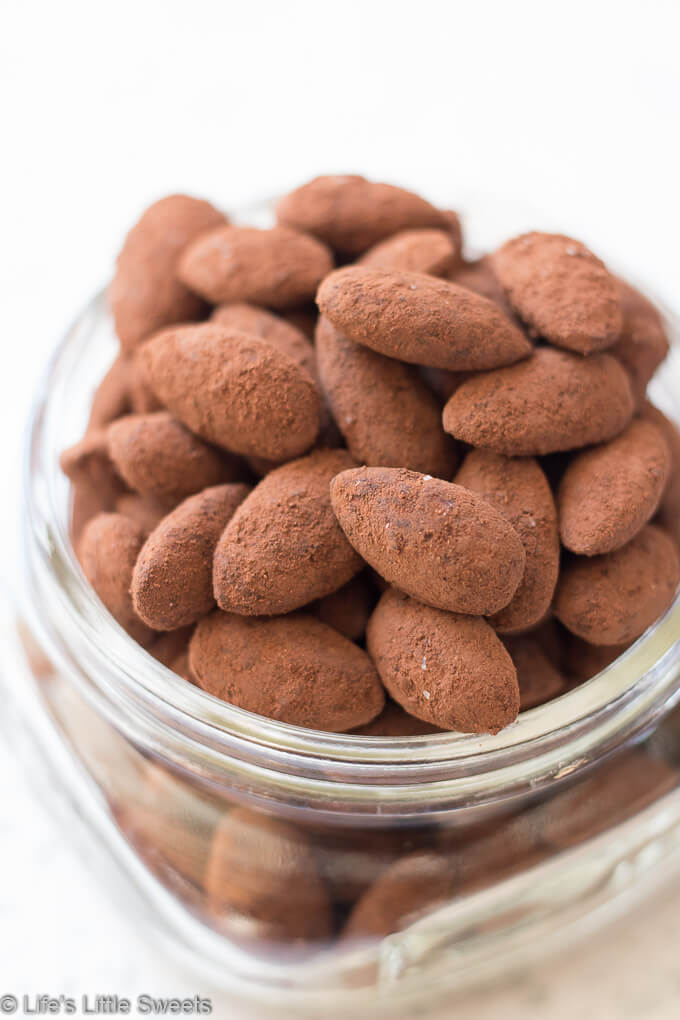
(109, 105)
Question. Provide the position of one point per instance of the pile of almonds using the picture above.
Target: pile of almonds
(412, 493)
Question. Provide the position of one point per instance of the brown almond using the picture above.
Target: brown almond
(291, 668)
(539, 680)
(612, 599)
(255, 400)
(608, 493)
(172, 579)
(265, 871)
(108, 549)
(420, 319)
(583, 660)
(418, 251)
(669, 508)
(96, 483)
(386, 414)
(351, 214)
(167, 648)
(160, 458)
(480, 277)
(435, 540)
(447, 669)
(279, 267)
(284, 547)
(455, 230)
(519, 491)
(112, 397)
(411, 886)
(643, 343)
(146, 294)
(349, 608)
(143, 510)
(552, 401)
(259, 322)
(563, 291)
(393, 721)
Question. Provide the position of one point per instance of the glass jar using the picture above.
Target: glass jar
(329, 873)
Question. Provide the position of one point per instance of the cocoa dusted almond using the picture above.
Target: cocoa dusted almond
(172, 580)
(284, 547)
(393, 721)
(146, 294)
(480, 277)
(145, 511)
(286, 338)
(387, 415)
(291, 668)
(668, 516)
(160, 458)
(519, 491)
(444, 668)
(108, 549)
(643, 343)
(265, 871)
(583, 660)
(612, 599)
(411, 886)
(278, 267)
(419, 251)
(552, 401)
(351, 214)
(259, 322)
(539, 679)
(609, 492)
(563, 291)
(420, 319)
(112, 398)
(349, 608)
(435, 540)
(254, 399)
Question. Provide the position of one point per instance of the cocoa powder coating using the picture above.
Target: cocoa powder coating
(609, 492)
(254, 399)
(668, 516)
(349, 608)
(146, 294)
(612, 599)
(420, 319)
(279, 268)
(435, 540)
(386, 414)
(291, 668)
(284, 547)
(108, 549)
(445, 668)
(172, 580)
(561, 290)
(419, 251)
(259, 322)
(160, 458)
(552, 401)
(519, 491)
(351, 214)
(643, 343)
(393, 721)
(539, 679)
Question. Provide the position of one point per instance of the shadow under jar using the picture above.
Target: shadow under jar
(319, 872)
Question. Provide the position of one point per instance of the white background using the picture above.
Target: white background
(106, 106)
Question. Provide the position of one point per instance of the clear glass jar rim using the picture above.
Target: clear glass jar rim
(561, 734)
